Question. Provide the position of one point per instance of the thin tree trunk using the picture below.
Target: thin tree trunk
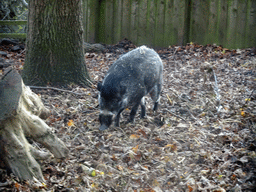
(55, 43)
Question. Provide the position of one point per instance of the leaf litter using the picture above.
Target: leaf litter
(202, 138)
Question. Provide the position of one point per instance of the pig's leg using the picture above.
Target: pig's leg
(117, 118)
(155, 95)
(133, 112)
(143, 108)
(158, 88)
(156, 103)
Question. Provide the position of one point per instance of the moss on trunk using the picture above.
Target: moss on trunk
(55, 43)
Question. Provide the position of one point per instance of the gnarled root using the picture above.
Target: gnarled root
(19, 155)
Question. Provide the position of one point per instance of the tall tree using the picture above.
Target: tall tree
(55, 43)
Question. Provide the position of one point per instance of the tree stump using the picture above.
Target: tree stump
(21, 114)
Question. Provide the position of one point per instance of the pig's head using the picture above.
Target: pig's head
(105, 118)
(111, 101)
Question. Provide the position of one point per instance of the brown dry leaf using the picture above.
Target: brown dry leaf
(135, 149)
(142, 132)
(233, 177)
(149, 190)
(126, 159)
(17, 186)
(70, 123)
(114, 158)
(158, 139)
(155, 183)
(137, 157)
(166, 159)
(219, 190)
(119, 167)
(172, 146)
(190, 189)
(80, 147)
(134, 136)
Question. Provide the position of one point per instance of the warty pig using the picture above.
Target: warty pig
(128, 80)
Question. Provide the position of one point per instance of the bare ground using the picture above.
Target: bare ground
(201, 139)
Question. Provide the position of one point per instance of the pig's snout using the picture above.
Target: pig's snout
(105, 118)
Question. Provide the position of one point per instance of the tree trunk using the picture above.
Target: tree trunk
(23, 119)
(55, 43)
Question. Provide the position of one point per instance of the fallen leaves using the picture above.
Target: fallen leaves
(71, 123)
(135, 149)
(173, 147)
(194, 142)
(134, 136)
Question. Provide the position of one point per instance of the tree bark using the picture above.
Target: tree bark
(55, 43)
(22, 121)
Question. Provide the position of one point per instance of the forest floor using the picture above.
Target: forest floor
(203, 137)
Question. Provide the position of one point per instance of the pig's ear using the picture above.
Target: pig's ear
(99, 86)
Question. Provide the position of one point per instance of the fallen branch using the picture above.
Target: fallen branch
(56, 89)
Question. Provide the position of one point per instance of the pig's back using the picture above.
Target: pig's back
(139, 64)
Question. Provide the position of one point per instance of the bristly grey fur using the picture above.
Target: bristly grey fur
(129, 79)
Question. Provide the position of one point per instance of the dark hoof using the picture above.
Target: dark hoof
(130, 121)
(155, 107)
(143, 117)
(103, 127)
(117, 124)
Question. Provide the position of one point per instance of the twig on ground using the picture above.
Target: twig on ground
(175, 115)
(249, 96)
(21, 52)
(5, 184)
(93, 86)
(169, 98)
(127, 185)
(216, 90)
(56, 89)
(175, 51)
